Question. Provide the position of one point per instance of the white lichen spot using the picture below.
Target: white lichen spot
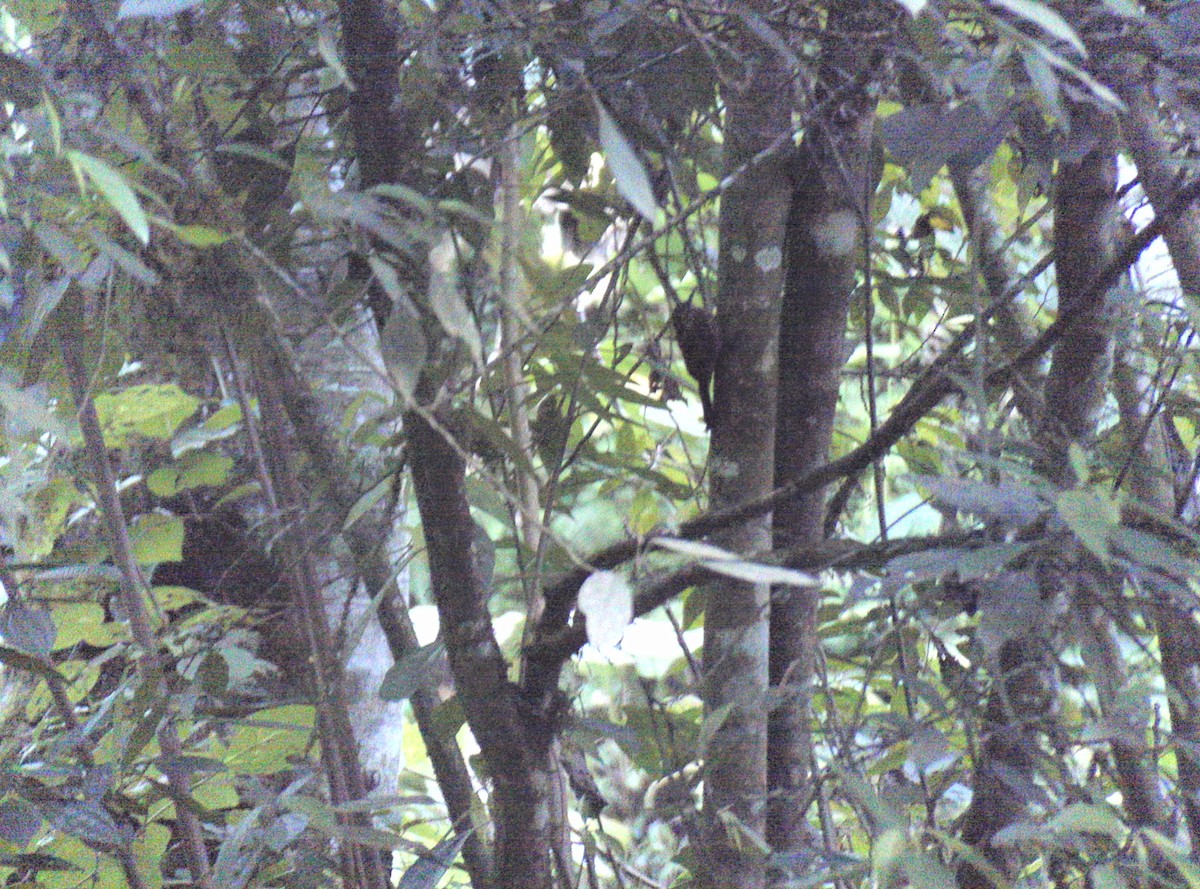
(541, 816)
(718, 466)
(837, 233)
(768, 259)
(738, 253)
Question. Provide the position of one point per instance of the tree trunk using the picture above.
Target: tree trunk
(832, 183)
(1087, 222)
(1177, 632)
(752, 223)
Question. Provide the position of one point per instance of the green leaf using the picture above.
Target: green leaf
(402, 342)
(755, 572)
(1178, 857)
(926, 872)
(483, 554)
(154, 411)
(1107, 876)
(364, 503)
(446, 298)
(1092, 516)
(85, 622)
(1080, 818)
(128, 262)
(116, 191)
(157, 538)
(428, 869)
(265, 744)
(158, 9)
(201, 235)
(327, 48)
(88, 822)
(1044, 16)
(628, 171)
(221, 425)
(412, 672)
(196, 469)
(712, 724)
(1124, 8)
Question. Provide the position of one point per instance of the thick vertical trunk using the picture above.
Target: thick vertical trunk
(753, 219)
(514, 738)
(387, 142)
(829, 205)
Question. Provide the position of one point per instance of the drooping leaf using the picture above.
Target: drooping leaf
(19, 822)
(627, 168)
(924, 138)
(483, 554)
(1080, 818)
(1047, 18)
(120, 196)
(924, 871)
(427, 870)
(20, 82)
(239, 852)
(327, 48)
(368, 500)
(86, 821)
(447, 301)
(125, 260)
(412, 672)
(694, 549)
(1006, 501)
(1010, 606)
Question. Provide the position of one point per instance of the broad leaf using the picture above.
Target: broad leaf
(606, 599)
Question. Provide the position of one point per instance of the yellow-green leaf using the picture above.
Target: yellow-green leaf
(201, 235)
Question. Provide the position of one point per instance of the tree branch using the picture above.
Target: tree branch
(926, 393)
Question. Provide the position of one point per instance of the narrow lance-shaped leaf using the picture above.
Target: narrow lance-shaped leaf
(157, 9)
(627, 168)
(1044, 16)
(112, 185)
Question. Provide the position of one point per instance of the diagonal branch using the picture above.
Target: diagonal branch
(926, 393)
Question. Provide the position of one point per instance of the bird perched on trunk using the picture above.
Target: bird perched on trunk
(696, 333)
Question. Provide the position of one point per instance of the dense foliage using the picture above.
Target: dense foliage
(787, 412)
